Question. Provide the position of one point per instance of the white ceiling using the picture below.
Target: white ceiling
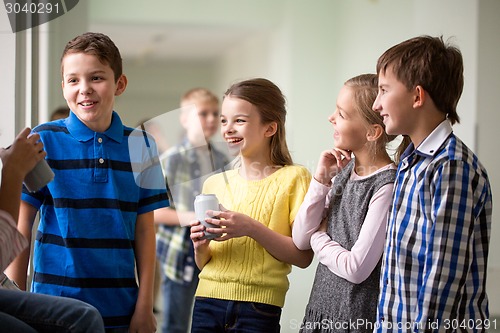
(141, 42)
(195, 30)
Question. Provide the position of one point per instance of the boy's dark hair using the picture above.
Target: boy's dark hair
(99, 45)
(59, 113)
(431, 63)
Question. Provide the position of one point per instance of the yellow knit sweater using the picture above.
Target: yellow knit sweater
(241, 269)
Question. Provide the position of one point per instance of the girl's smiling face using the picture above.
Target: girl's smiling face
(89, 88)
(350, 130)
(242, 128)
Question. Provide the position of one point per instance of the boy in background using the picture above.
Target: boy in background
(96, 216)
(186, 166)
(434, 268)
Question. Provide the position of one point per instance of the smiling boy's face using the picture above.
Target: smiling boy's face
(395, 103)
(89, 88)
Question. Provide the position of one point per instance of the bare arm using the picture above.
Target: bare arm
(18, 269)
(202, 253)
(17, 161)
(143, 319)
(172, 217)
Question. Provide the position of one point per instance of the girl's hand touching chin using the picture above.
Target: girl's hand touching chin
(330, 163)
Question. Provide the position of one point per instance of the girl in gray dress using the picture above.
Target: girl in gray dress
(344, 214)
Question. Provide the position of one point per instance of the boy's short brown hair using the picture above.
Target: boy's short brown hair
(99, 45)
(431, 63)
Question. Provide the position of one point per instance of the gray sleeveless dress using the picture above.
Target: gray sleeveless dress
(335, 304)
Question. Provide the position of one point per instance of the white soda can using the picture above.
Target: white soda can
(202, 203)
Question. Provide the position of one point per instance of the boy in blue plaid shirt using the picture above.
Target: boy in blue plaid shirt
(434, 267)
(186, 166)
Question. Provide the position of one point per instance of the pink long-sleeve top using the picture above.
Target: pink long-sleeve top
(358, 263)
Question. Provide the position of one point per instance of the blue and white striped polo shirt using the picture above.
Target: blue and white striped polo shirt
(84, 246)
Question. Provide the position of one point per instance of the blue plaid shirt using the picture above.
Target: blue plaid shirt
(184, 177)
(434, 267)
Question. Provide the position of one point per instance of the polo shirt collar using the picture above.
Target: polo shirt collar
(82, 133)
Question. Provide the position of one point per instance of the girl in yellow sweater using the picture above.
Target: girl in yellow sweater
(243, 279)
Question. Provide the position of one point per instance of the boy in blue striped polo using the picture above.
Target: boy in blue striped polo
(434, 267)
(96, 217)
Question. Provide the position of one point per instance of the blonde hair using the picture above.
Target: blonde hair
(197, 95)
(365, 90)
